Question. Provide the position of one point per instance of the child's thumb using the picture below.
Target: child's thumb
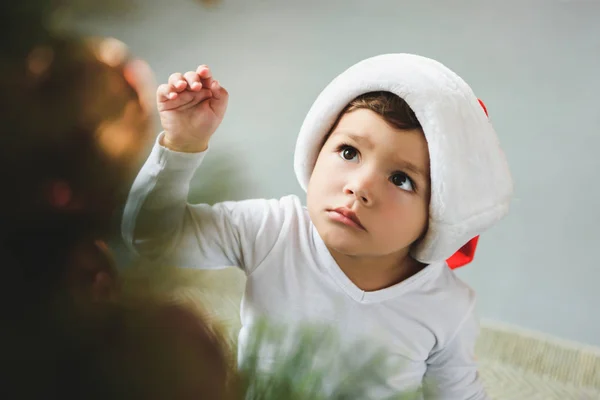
(220, 97)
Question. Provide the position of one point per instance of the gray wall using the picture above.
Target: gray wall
(535, 63)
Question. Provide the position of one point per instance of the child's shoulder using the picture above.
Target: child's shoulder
(452, 300)
(463, 296)
(462, 292)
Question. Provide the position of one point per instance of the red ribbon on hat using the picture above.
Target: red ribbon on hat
(466, 253)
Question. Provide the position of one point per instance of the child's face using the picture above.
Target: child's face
(378, 173)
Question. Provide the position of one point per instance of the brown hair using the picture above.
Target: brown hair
(392, 108)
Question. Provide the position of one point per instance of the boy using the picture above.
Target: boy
(401, 168)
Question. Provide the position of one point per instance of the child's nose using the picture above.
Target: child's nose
(361, 189)
(360, 196)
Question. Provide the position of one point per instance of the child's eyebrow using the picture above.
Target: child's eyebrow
(359, 139)
(413, 168)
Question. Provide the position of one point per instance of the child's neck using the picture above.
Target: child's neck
(371, 273)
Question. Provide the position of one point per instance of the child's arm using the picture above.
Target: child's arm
(452, 371)
(159, 223)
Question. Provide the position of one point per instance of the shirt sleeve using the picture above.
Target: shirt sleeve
(160, 225)
(452, 371)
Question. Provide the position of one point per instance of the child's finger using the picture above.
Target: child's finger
(205, 75)
(203, 94)
(220, 98)
(219, 92)
(176, 80)
(204, 71)
(185, 100)
(193, 80)
(165, 92)
(176, 103)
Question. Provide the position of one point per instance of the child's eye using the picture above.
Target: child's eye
(348, 153)
(402, 180)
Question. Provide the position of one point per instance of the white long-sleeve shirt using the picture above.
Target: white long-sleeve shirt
(426, 322)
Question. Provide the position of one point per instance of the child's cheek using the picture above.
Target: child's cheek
(397, 201)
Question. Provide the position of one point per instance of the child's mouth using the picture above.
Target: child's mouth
(346, 217)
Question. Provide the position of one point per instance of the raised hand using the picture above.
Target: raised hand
(191, 108)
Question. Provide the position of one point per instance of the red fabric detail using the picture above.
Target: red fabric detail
(483, 106)
(464, 255)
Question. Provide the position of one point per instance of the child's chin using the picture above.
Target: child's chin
(343, 244)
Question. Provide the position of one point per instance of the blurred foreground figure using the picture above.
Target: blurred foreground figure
(75, 120)
(73, 126)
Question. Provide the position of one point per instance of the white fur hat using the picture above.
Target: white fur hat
(471, 184)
